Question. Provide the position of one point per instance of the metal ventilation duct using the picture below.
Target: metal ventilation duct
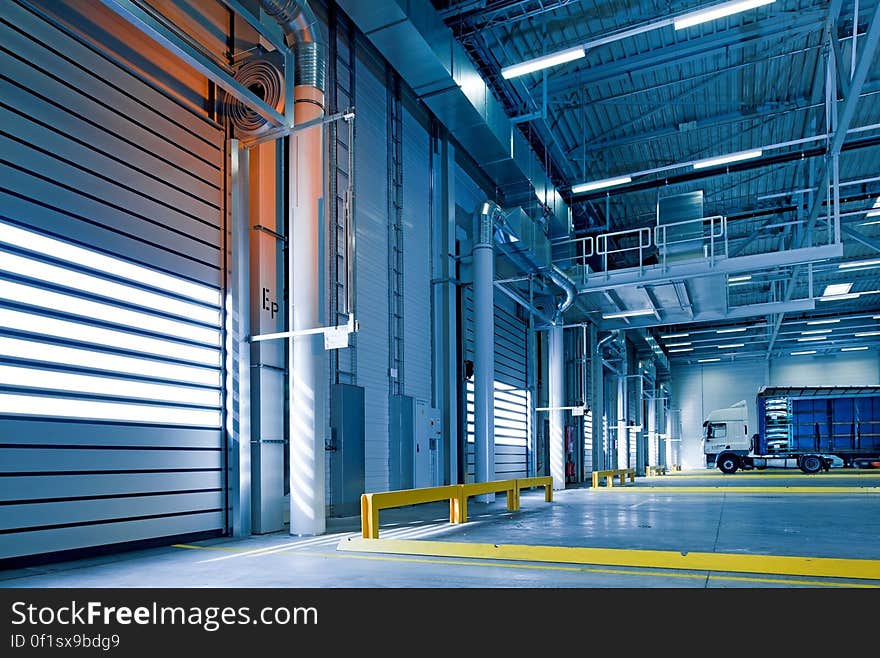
(413, 38)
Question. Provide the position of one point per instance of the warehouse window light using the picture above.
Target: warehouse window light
(683, 349)
(816, 331)
(731, 346)
(839, 298)
(35, 405)
(740, 279)
(544, 62)
(708, 360)
(94, 285)
(863, 334)
(835, 289)
(801, 353)
(93, 260)
(121, 340)
(17, 348)
(686, 335)
(832, 321)
(600, 184)
(45, 299)
(717, 11)
(628, 314)
(685, 344)
(853, 349)
(727, 159)
(736, 330)
(808, 339)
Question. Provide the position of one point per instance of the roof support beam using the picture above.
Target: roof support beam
(860, 237)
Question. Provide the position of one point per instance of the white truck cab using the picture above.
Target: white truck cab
(726, 430)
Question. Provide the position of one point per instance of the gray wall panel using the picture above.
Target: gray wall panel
(36, 460)
(39, 432)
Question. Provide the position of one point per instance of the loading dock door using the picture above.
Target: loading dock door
(111, 263)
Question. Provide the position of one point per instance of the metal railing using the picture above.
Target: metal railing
(456, 494)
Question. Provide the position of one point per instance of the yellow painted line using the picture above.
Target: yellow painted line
(776, 565)
(769, 476)
(553, 567)
(745, 490)
(208, 548)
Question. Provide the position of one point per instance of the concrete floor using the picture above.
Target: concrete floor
(842, 525)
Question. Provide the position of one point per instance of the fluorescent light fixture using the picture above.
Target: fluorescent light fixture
(875, 317)
(727, 159)
(732, 346)
(816, 331)
(839, 298)
(45, 299)
(834, 321)
(677, 344)
(707, 360)
(737, 330)
(717, 11)
(737, 279)
(684, 349)
(544, 62)
(121, 340)
(35, 405)
(858, 263)
(803, 352)
(42, 244)
(861, 334)
(837, 289)
(628, 314)
(686, 335)
(804, 340)
(63, 277)
(853, 349)
(600, 184)
(17, 348)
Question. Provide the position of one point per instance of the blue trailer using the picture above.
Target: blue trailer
(807, 427)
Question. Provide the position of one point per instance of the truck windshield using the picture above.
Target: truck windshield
(716, 431)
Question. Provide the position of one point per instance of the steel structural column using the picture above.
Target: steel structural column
(597, 399)
(306, 352)
(238, 363)
(445, 298)
(484, 349)
(556, 381)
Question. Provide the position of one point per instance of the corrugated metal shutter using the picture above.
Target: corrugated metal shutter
(417, 258)
(111, 262)
(371, 304)
(512, 397)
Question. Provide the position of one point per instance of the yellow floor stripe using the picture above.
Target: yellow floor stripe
(745, 489)
(769, 476)
(726, 562)
(549, 567)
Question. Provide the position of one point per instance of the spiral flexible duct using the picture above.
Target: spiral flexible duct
(266, 81)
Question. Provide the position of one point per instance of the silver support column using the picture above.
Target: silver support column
(445, 298)
(307, 513)
(237, 321)
(484, 350)
(597, 400)
(556, 381)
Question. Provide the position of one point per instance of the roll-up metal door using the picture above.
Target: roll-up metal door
(371, 305)
(512, 397)
(111, 263)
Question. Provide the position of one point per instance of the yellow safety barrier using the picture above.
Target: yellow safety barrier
(655, 470)
(674, 467)
(609, 476)
(371, 503)
(457, 494)
(477, 488)
(541, 481)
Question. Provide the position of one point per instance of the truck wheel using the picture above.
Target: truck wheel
(728, 463)
(811, 464)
